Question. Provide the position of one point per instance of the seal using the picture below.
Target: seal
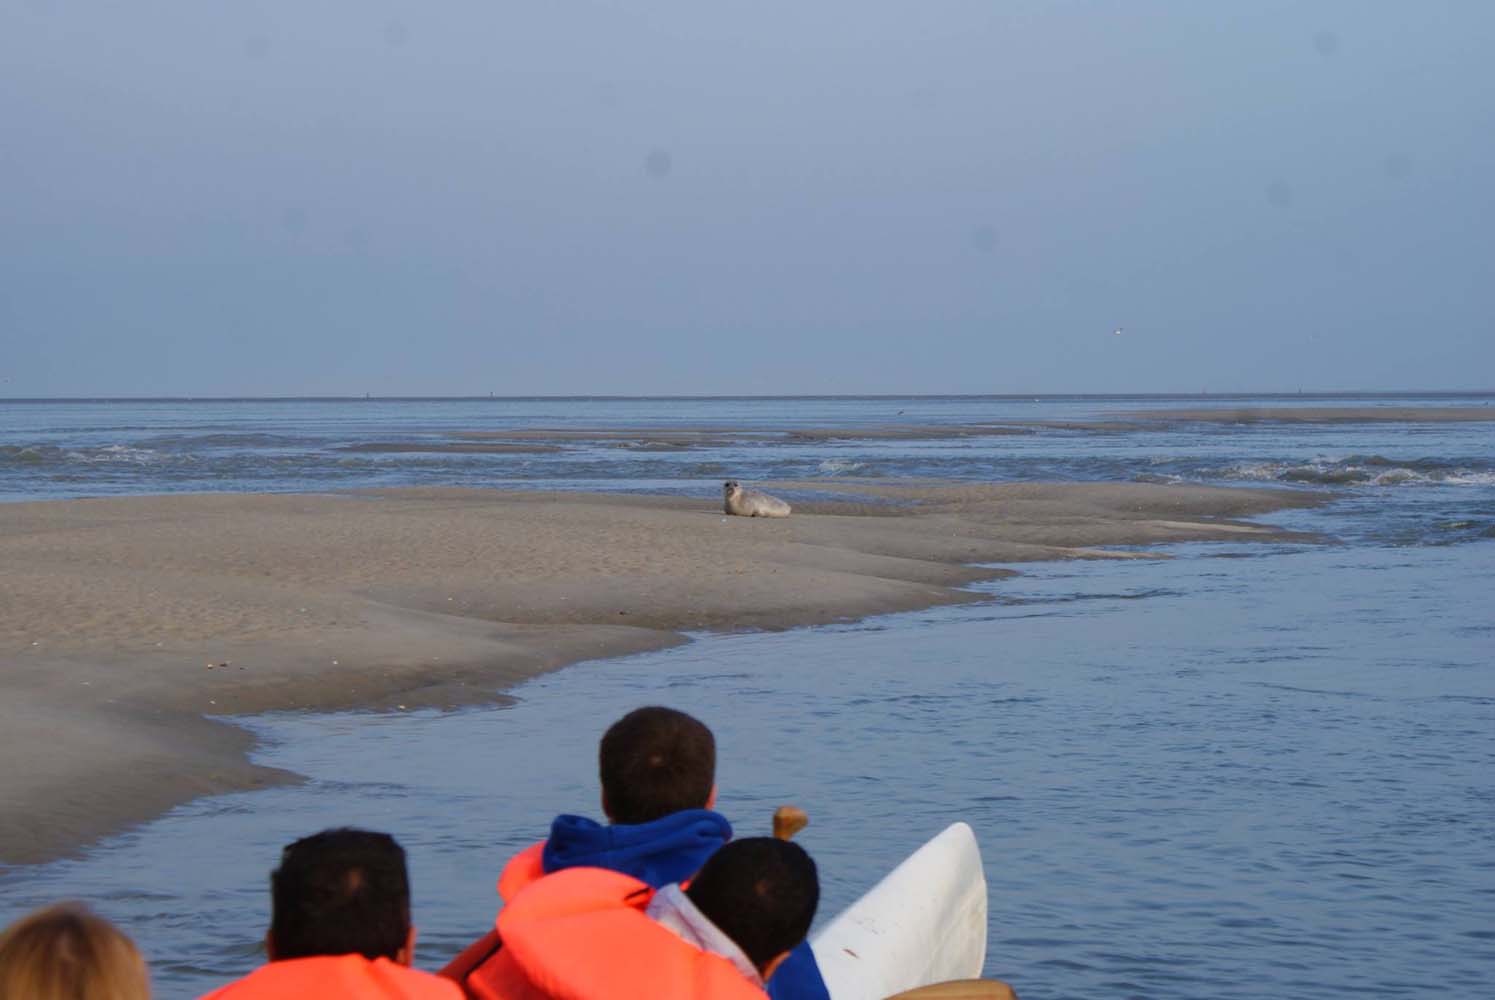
(739, 500)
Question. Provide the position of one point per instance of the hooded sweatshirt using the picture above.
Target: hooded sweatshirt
(673, 909)
(670, 849)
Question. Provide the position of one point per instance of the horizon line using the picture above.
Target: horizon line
(665, 397)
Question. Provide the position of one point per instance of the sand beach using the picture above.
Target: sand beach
(133, 626)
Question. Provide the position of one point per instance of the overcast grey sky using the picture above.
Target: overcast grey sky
(676, 196)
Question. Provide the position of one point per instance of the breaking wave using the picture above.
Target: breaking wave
(15, 454)
(117, 453)
(1361, 470)
(49, 454)
(840, 466)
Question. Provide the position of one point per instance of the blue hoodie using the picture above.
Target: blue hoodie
(670, 849)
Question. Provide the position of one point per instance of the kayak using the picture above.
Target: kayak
(924, 923)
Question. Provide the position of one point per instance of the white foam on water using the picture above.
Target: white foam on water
(117, 453)
(1464, 477)
(1329, 472)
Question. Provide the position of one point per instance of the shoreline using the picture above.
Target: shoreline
(135, 628)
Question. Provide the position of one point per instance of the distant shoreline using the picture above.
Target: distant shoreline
(1323, 415)
(604, 397)
(134, 623)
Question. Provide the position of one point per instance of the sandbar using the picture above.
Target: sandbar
(132, 627)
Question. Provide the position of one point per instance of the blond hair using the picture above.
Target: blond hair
(66, 952)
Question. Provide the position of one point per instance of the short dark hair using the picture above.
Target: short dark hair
(655, 761)
(340, 892)
(762, 893)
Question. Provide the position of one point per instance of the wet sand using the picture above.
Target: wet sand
(128, 624)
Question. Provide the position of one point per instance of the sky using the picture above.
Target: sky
(674, 197)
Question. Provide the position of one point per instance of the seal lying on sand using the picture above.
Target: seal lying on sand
(744, 502)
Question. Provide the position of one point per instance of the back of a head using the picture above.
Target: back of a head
(340, 892)
(66, 952)
(655, 761)
(762, 893)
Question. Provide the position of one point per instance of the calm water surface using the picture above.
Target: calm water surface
(1245, 771)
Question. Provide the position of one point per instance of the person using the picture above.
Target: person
(67, 952)
(340, 925)
(586, 933)
(657, 770)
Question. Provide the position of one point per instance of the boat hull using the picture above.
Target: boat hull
(925, 922)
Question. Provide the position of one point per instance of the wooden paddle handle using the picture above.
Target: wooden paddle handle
(789, 820)
(961, 989)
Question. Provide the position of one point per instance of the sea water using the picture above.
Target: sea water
(1241, 771)
(79, 448)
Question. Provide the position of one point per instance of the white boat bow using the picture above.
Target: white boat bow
(924, 923)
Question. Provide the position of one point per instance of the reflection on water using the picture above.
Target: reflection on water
(1242, 777)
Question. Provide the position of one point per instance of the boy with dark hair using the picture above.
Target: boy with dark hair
(653, 762)
(761, 892)
(588, 933)
(658, 774)
(340, 892)
(340, 924)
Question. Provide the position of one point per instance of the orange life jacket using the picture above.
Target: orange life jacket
(336, 977)
(522, 869)
(581, 934)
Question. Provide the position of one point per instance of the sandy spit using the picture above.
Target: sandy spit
(128, 625)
